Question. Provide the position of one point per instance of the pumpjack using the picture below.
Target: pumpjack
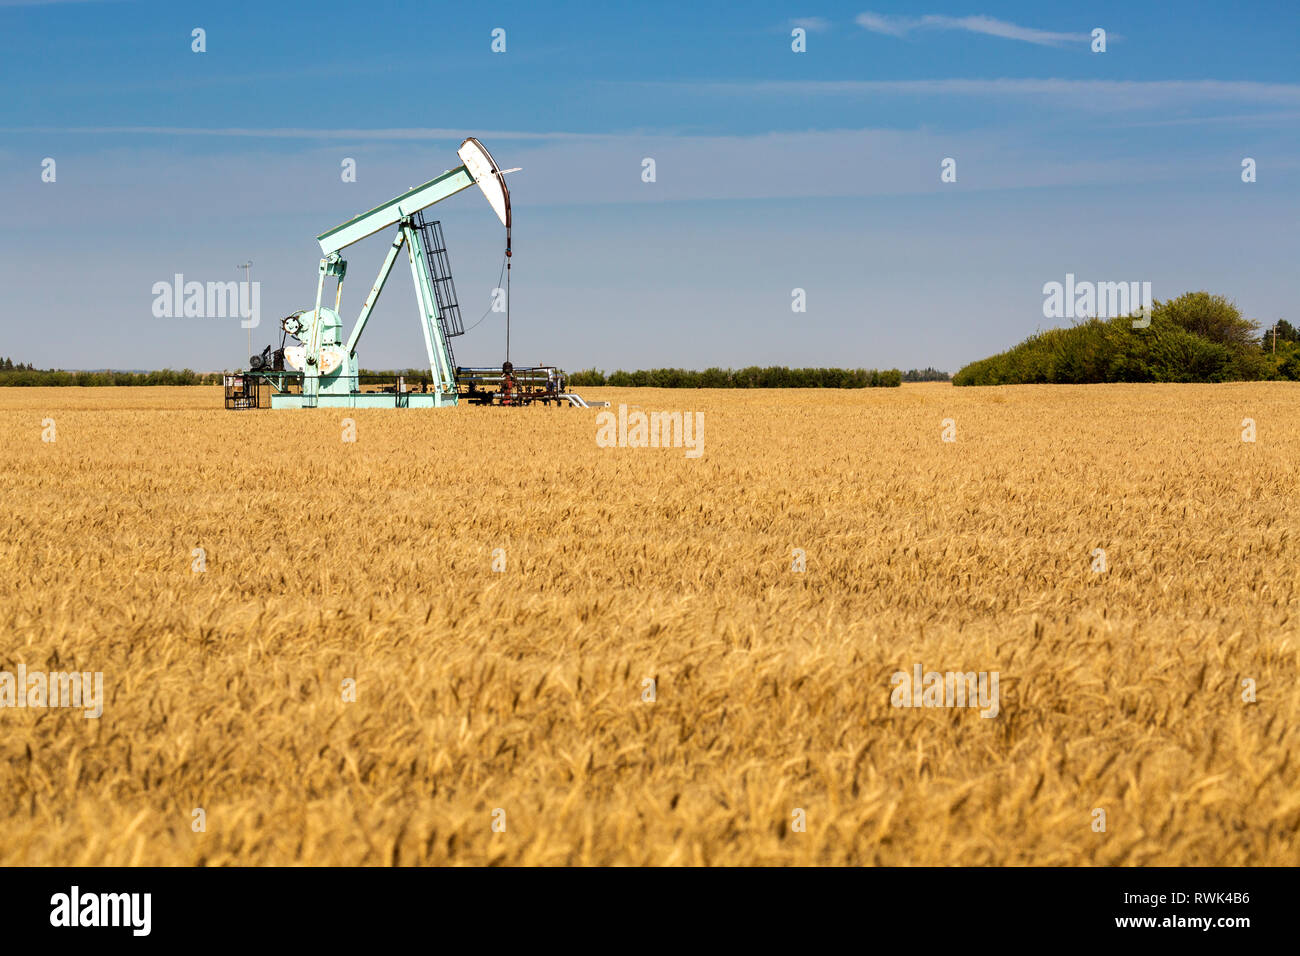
(322, 369)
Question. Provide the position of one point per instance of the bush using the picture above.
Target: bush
(1197, 337)
(587, 377)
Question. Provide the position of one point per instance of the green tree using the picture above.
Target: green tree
(1286, 332)
(1194, 338)
(1210, 316)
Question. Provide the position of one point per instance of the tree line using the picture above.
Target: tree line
(16, 374)
(752, 377)
(1197, 337)
(926, 375)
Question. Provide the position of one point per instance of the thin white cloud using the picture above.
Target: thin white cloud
(414, 133)
(812, 24)
(988, 26)
(129, 183)
(43, 3)
(1235, 119)
(879, 23)
(1088, 94)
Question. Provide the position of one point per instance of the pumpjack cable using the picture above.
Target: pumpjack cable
(507, 300)
(489, 308)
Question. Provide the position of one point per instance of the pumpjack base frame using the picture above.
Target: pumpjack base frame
(261, 390)
(367, 400)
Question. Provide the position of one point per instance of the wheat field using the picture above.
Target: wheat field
(341, 675)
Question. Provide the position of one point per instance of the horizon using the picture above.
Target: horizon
(775, 171)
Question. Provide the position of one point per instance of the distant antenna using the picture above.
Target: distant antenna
(248, 279)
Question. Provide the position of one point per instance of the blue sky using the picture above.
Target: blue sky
(775, 170)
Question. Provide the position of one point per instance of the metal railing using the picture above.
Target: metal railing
(246, 390)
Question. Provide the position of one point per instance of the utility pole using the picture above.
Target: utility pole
(248, 278)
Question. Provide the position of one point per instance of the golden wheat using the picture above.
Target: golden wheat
(517, 696)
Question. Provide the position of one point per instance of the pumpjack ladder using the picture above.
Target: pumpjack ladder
(438, 266)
